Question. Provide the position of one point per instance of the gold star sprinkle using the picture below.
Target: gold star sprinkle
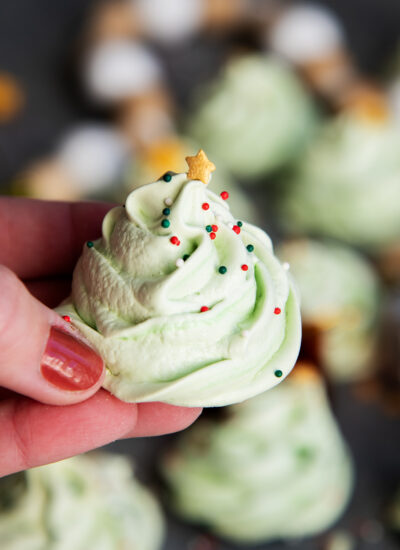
(200, 167)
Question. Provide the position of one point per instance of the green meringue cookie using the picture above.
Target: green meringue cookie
(255, 118)
(347, 185)
(137, 297)
(340, 296)
(84, 503)
(276, 468)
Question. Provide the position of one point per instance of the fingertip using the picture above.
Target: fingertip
(161, 418)
(72, 368)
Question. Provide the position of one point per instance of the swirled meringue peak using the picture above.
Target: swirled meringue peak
(186, 304)
(275, 467)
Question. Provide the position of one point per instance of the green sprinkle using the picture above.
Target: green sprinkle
(305, 453)
(278, 373)
(239, 224)
(165, 223)
(250, 247)
(185, 257)
(222, 269)
(208, 228)
(167, 177)
(166, 211)
(89, 244)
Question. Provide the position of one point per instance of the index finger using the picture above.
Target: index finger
(42, 238)
(34, 434)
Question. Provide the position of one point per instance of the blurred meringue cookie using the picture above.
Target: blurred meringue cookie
(275, 468)
(347, 184)
(255, 118)
(87, 502)
(340, 299)
(306, 32)
(169, 20)
(119, 69)
(94, 156)
(172, 331)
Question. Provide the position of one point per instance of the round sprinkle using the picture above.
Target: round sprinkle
(185, 257)
(236, 229)
(245, 267)
(168, 201)
(224, 195)
(89, 244)
(167, 177)
(239, 224)
(179, 262)
(205, 206)
(204, 308)
(222, 269)
(165, 223)
(286, 266)
(250, 247)
(166, 211)
(214, 228)
(208, 228)
(67, 318)
(245, 333)
(278, 373)
(277, 310)
(174, 240)
(212, 236)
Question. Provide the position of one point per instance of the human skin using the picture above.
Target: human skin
(40, 243)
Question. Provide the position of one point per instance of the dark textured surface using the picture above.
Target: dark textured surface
(37, 46)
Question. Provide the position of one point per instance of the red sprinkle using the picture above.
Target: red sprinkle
(236, 229)
(175, 240)
(277, 310)
(214, 228)
(205, 206)
(245, 267)
(204, 308)
(67, 318)
(212, 236)
(224, 195)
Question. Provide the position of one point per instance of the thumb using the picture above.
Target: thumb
(39, 356)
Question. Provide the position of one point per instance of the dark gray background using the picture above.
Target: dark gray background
(39, 45)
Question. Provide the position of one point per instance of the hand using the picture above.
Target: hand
(42, 364)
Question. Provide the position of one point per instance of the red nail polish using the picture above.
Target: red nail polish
(70, 364)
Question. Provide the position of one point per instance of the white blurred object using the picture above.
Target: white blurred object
(119, 69)
(306, 33)
(170, 20)
(93, 155)
(393, 94)
(149, 123)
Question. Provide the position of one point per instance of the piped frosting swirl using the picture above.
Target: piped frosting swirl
(186, 304)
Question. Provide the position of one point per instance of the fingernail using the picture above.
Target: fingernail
(70, 364)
